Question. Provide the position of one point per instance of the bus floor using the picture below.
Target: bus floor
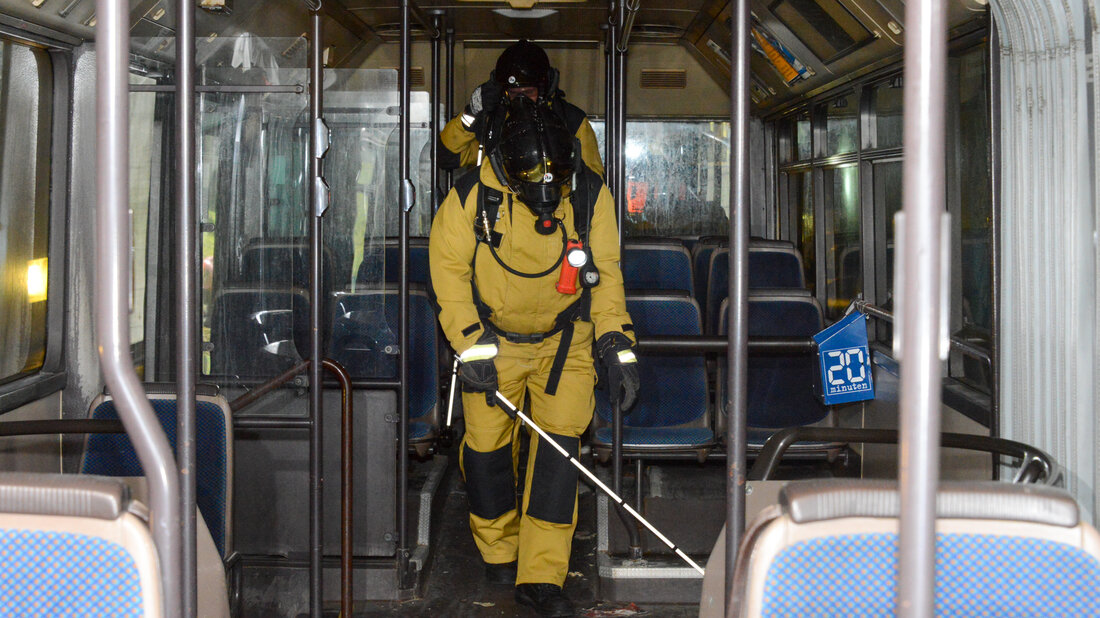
(455, 585)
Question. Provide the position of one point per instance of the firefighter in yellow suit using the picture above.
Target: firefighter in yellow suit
(523, 69)
(497, 251)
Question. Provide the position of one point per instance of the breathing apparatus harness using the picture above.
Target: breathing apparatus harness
(575, 259)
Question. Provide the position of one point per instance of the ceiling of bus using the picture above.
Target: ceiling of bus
(818, 43)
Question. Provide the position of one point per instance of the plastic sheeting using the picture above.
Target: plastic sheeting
(1049, 311)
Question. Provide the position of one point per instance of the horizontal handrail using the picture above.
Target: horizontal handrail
(1035, 467)
(959, 345)
(57, 425)
(709, 344)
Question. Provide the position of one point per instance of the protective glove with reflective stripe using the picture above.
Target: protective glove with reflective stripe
(617, 355)
(477, 370)
(483, 102)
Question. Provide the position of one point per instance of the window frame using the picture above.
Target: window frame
(20, 389)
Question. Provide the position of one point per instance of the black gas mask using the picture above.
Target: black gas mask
(533, 154)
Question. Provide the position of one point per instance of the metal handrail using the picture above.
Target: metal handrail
(112, 297)
(1036, 466)
(347, 413)
(959, 345)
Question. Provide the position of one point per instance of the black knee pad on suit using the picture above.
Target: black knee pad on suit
(554, 482)
(490, 481)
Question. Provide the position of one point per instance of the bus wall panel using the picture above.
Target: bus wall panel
(32, 453)
(881, 460)
(271, 476)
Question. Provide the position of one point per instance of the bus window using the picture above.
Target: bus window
(802, 189)
(843, 272)
(145, 170)
(887, 109)
(842, 125)
(968, 199)
(675, 177)
(886, 180)
(25, 78)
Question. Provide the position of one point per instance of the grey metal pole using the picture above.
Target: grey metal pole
(450, 93)
(112, 299)
(995, 214)
(318, 201)
(187, 306)
(920, 316)
(407, 200)
(620, 122)
(433, 120)
(609, 125)
(737, 354)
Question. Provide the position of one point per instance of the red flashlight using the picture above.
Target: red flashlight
(574, 259)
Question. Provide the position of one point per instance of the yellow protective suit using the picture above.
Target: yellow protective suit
(539, 535)
(460, 145)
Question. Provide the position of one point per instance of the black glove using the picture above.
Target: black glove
(617, 354)
(483, 102)
(477, 370)
(486, 97)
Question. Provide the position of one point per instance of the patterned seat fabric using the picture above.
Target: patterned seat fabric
(49, 573)
(781, 389)
(384, 266)
(976, 575)
(364, 341)
(657, 266)
(772, 265)
(672, 408)
(114, 455)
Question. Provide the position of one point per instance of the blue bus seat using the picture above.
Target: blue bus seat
(700, 262)
(673, 408)
(1001, 550)
(114, 455)
(281, 262)
(772, 264)
(369, 268)
(364, 341)
(75, 545)
(783, 391)
(657, 265)
(258, 332)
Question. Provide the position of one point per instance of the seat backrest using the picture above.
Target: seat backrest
(369, 269)
(700, 263)
(114, 455)
(258, 332)
(75, 545)
(673, 388)
(280, 263)
(364, 340)
(772, 264)
(1001, 550)
(664, 266)
(782, 390)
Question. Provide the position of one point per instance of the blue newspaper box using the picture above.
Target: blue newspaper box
(845, 361)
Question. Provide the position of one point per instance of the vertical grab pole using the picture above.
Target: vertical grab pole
(450, 92)
(407, 200)
(620, 120)
(433, 119)
(610, 143)
(921, 334)
(112, 298)
(318, 193)
(186, 301)
(737, 355)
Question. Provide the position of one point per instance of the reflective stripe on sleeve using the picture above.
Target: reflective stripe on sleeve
(478, 352)
(627, 356)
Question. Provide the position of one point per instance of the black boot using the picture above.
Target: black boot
(546, 599)
(504, 573)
